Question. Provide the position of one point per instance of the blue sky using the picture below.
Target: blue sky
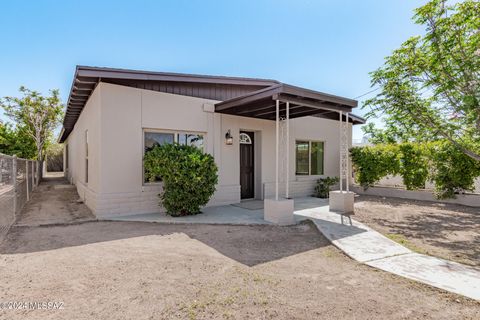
(325, 45)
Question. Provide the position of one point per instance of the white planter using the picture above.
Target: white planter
(279, 211)
(341, 201)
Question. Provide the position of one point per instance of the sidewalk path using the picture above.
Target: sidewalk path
(370, 247)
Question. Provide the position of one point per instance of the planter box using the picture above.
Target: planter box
(279, 211)
(341, 201)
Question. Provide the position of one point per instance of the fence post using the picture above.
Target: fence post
(26, 180)
(33, 174)
(14, 183)
(36, 173)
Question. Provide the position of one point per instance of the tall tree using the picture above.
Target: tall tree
(430, 86)
(15, 141)
(37, 115)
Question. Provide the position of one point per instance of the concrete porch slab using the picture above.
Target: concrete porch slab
(229, 214)
(211, 215)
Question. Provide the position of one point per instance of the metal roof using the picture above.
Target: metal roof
(235, 93)
(302, 102)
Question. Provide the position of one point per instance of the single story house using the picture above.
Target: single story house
(114, 116)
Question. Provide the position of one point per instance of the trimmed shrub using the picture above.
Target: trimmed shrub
(322, 189)
(189, 177)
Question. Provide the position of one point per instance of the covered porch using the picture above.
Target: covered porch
(281, 103)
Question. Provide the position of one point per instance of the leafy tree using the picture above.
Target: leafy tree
(430, 86)
(15, 141)
(54, 157)
(36, 115)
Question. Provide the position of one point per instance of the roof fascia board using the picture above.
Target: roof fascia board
(311, 104)
(157, 76)
(293, 90)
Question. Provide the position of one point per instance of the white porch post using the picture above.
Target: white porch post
(287, 150)
(277, 124)
(342, 201)
(340, 150)
(345, 150)
(279, 211)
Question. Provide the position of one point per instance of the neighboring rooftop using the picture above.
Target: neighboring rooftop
(249, 97)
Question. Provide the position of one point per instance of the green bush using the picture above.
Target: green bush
(453, 171)
(413, 165)
(189, 177)
(440, 162)
(372, 163)
(322, 189)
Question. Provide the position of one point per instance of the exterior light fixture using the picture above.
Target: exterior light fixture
(228, 138)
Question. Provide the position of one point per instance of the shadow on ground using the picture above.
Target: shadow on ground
(249, 245)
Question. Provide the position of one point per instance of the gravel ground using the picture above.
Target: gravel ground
(131, 270)
(443, 230)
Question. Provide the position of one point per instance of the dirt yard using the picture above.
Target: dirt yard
(130, 270)
(443, 230)
(54, 201)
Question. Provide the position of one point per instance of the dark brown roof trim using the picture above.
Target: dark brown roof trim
(303, 102)
(100, 72)
(87, 78)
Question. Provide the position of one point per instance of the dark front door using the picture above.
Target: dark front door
(247, 165)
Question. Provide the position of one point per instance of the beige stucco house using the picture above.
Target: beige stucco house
(113, 116)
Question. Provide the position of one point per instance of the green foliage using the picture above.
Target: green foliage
(15, 141)
(430, 86)
(453, 171)
(36, 115)
(372, 163)
(54, 155)
(413, 165)
(441, 162)
(189, 177)
(322, 189)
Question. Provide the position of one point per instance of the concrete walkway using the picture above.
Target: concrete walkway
(370, 247)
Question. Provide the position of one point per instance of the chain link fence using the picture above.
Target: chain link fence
(18, 178)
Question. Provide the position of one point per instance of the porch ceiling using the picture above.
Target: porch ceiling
(303, 102)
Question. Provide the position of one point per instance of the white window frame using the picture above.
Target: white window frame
(309, 158)
(175, 140)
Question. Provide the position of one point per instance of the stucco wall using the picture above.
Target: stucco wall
(122, 113)
(90, 120)
(397, 181)
(472, 200)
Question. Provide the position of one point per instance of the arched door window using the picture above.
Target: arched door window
(244, 138)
